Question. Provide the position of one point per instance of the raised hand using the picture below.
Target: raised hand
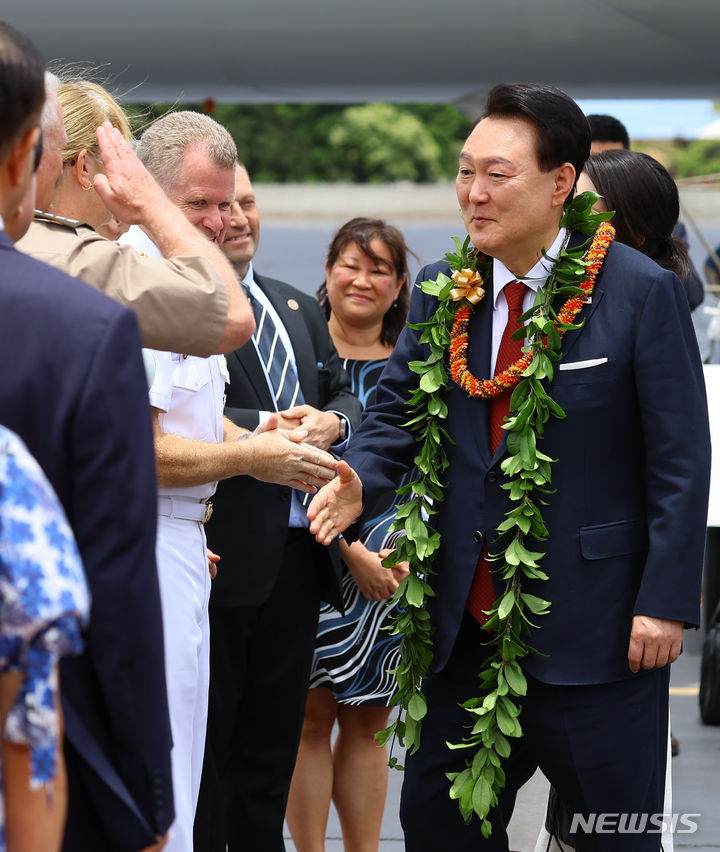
(127, 188)
(336, 505)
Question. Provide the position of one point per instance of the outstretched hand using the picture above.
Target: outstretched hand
(336, 505)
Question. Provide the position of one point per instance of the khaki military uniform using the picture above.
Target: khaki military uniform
(181, 304)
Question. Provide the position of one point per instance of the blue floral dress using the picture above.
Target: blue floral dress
(354, 652)
(43, 603)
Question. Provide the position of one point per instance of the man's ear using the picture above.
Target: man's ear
(564, 183)
(19, 162)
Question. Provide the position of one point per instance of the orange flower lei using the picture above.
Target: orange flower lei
(489, 388)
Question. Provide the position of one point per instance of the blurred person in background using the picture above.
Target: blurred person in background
(607, 133)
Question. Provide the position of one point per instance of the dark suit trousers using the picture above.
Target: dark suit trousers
(603, 746)
(260, 658)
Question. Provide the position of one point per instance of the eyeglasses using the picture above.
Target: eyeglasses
(37, 155)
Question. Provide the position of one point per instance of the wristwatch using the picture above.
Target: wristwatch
(343, 429)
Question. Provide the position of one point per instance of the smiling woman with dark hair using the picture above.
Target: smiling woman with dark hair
(365, 296)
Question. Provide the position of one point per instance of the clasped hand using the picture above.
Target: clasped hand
(322, 426)
(283, 456)
(375, 581)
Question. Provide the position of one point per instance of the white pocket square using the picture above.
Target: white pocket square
(582, 365)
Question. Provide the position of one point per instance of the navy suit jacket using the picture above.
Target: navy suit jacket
(251, 517)
(74, 389)
(627, 520)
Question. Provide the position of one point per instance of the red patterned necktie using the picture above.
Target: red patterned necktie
(482, 591)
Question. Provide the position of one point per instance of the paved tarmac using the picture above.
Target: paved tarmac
(298, 223)
(695, 780)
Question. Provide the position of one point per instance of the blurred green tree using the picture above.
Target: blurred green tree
(701, 157)
(331, 142)
(380, 142)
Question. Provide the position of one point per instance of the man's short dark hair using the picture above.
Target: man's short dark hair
(607, 128)
(562, 131)
(22, 85)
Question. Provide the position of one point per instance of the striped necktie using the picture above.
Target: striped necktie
(284, 384)
(280, 369)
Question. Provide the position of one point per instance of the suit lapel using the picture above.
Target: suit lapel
(247, 359)
(587, 311)
(571, 338)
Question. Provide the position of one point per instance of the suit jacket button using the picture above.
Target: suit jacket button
(492, 476)
(478, 536)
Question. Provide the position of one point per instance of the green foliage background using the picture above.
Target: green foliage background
(377, 142)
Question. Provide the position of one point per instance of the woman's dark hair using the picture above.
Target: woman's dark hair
(362, 231)
(646, 204)
(562, 132)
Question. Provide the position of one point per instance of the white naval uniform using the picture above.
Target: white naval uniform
(189, 392)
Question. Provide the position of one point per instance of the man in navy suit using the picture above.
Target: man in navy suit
(73, 387)
(626, 519)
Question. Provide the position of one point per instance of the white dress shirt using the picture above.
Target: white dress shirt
(535, 279)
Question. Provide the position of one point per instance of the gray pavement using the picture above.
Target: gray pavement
(695, 778)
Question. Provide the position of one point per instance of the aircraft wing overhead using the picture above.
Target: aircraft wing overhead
(338, 51)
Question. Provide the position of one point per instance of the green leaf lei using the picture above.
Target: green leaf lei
(493, 717)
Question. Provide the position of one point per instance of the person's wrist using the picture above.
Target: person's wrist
(342, 429)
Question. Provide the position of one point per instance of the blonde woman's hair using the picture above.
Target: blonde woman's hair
(163, 145)
(85, 106)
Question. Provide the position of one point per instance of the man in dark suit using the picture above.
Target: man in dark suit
(272, 575)
(74, 389)
(626, 520)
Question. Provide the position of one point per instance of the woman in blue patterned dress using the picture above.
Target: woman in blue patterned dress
(365, 297)
(43, 606)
